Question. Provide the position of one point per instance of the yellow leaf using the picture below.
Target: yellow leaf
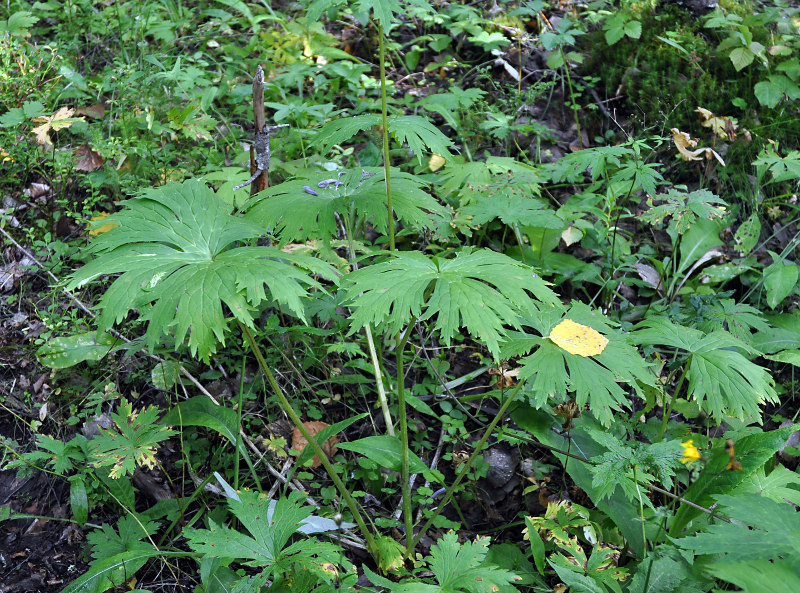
(59, 120)
(101, 229)
(578, 339)
(683, 142)
(724, 127)
(437, 162)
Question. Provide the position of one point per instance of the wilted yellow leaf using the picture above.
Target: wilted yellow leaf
(59, 120)
(578, 339)
(437, 162)
(724, 127)
(683, 142)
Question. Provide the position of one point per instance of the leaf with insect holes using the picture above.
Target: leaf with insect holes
(748, 234)
(578, 339)
(481, 290)
(307, 208)
(173, 246)
(684, 208)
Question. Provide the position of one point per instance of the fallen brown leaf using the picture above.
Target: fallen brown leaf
(88, 160)
(314, 427)
(93, 111)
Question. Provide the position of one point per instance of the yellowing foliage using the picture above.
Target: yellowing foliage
(578, 339)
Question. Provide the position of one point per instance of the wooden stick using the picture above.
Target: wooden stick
(262, 135)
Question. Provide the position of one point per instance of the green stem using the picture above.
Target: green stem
(641, 512)
(451, 489)
(385, 117)
(376, 367)
(287, 407)
(675, 393)
(404, 459)
(239, 433)
(405, 471)
(572, 98)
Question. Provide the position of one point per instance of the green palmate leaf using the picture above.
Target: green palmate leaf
(781, 168)
(480, 290)
(759, 576)
(270, 525)
(383, 10)
(456, 568)
(762, 529)
(594, 379)
(496, 177)
(419, 133)
(464, 567)
(134, 441)
(128, 536)
(684, 208)
(344, 128)
(171, 247)
(721, 379)
(739, 319)
(781, 485)
(306, 208)
(600, 160)
(514, 211)
(752, 452)
(62, 456)
(625, 464)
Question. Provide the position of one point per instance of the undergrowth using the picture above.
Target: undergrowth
(517, 311)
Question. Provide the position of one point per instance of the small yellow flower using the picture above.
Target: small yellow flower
(690, 453)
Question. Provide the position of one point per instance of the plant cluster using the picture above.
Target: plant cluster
(460, 243)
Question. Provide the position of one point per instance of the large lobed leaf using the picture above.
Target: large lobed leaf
(480, 290)
(306, 208)
(173, 247)
(761, 529)
(594, 379)
(456, 568)
(270, 526)
(721, 379)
